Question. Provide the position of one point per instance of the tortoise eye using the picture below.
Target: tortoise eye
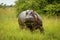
(26, 13)
(31, 13)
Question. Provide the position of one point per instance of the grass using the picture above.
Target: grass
(10, 30)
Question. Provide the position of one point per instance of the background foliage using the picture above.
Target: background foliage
(47, 7)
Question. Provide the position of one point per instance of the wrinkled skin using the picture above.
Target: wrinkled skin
(30, 19)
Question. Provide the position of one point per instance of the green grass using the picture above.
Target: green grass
(10, 30)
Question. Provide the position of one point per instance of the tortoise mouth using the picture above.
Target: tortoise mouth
(29, 22)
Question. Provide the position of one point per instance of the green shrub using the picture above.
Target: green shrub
(41, 6)
(52, 10)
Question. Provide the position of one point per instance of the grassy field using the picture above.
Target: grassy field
(10, 30)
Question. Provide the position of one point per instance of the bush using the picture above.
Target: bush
(52, 9)
(22, 5)
(45, 7)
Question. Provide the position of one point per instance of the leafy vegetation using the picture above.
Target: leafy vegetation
(47, 7)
